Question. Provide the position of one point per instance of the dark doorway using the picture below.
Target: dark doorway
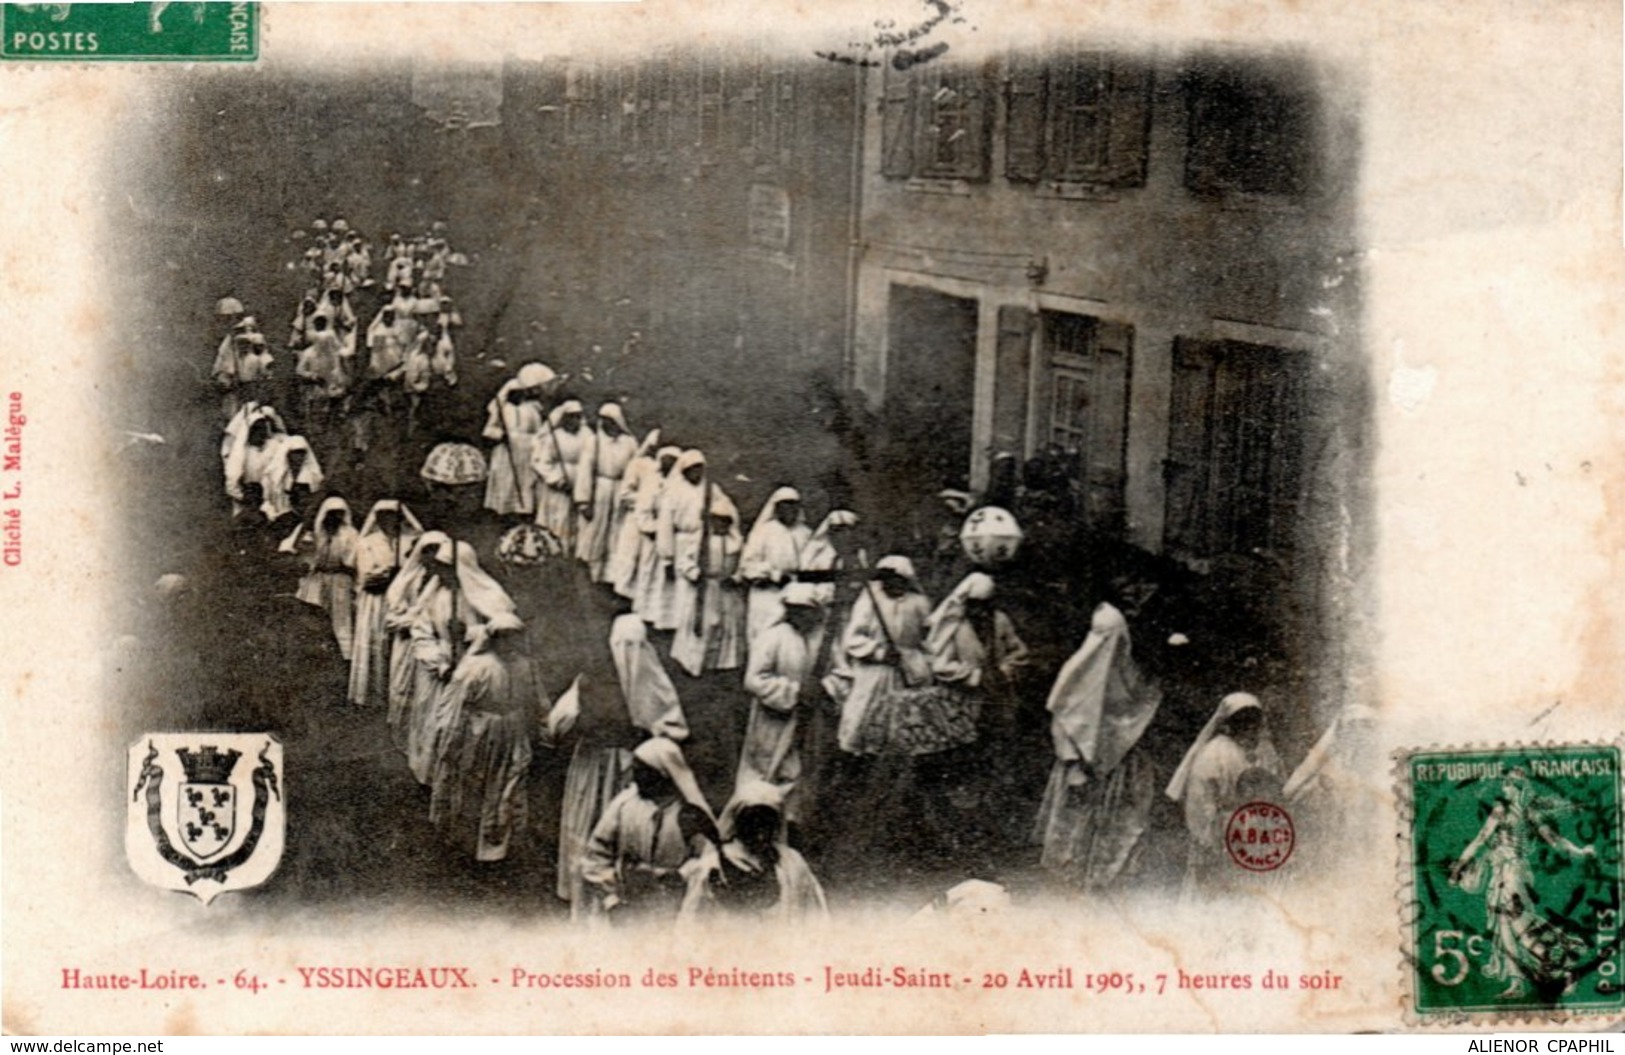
(930, 385)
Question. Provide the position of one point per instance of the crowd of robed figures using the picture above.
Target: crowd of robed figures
(868, 705)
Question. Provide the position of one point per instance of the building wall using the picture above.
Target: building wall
(718, 229)
(1170, 262)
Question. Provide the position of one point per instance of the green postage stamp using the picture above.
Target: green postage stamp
(159, 31)
(1514, 881)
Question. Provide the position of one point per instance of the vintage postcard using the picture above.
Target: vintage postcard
(695, 516)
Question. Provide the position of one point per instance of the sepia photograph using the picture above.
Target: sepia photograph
(872, 507)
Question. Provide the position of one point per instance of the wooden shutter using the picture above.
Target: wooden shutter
(1025, 105)
(971, 159)
(1105, 459)
(1185, 472)
(1268, 476)
(784, 118)
(1129, 115)
(1207, 138)
(1012, 367)
(896, 125)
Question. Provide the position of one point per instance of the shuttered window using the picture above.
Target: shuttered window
(1234, 475)
(582, 85)
(1252, 130)
(935, 123)
(744, 100)
(1087, 389)
(711, 93)
(1084, 119)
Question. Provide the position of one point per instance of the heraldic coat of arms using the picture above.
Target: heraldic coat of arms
(205, 811)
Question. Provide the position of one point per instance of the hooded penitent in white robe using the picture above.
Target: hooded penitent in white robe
(480, 800)
(443, 360)
(779, 665)
(638, 848)
(599, 770)
(881, 650)
(400, 602)
(440, 621)
(241, 461)
(821, 566)
(378, 557)
(323, 365)
(386, 352)
(1097, 806)
(958, 655)
(279, 476)
(735, 880)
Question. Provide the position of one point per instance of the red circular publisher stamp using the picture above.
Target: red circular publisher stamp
(1260, 836)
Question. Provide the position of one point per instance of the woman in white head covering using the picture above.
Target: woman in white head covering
(776, 676)
(1331, 794)
(513, 420)
(400, 601)
(831, 565)
(710, 606)
(557, 460)
(248, 447)
(459, 594)
(882, 649)
(254, 362)
(227, 370)
(386, 351)
(241, 366)
(291, 465)
(604, 464)
(480, 800)
(754, 872)
(601, 763)
(443, 360)
(236, 430)
(330, 581)
(416, 376)
(385, 540)
(1097, 806)
(654, 592)
(772, 556)
(684, 505)
(642, 475)
(636, 857)
(828, 552)
(1235, 744)
(324, 367)
(971, 643)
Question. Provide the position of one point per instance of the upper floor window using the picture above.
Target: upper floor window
(1083, 118)
(934, 122)
(1252, 129)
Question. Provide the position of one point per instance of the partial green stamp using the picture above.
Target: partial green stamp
(125, 32)
(1515, 881)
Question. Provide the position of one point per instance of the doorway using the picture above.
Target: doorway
(930, 385)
